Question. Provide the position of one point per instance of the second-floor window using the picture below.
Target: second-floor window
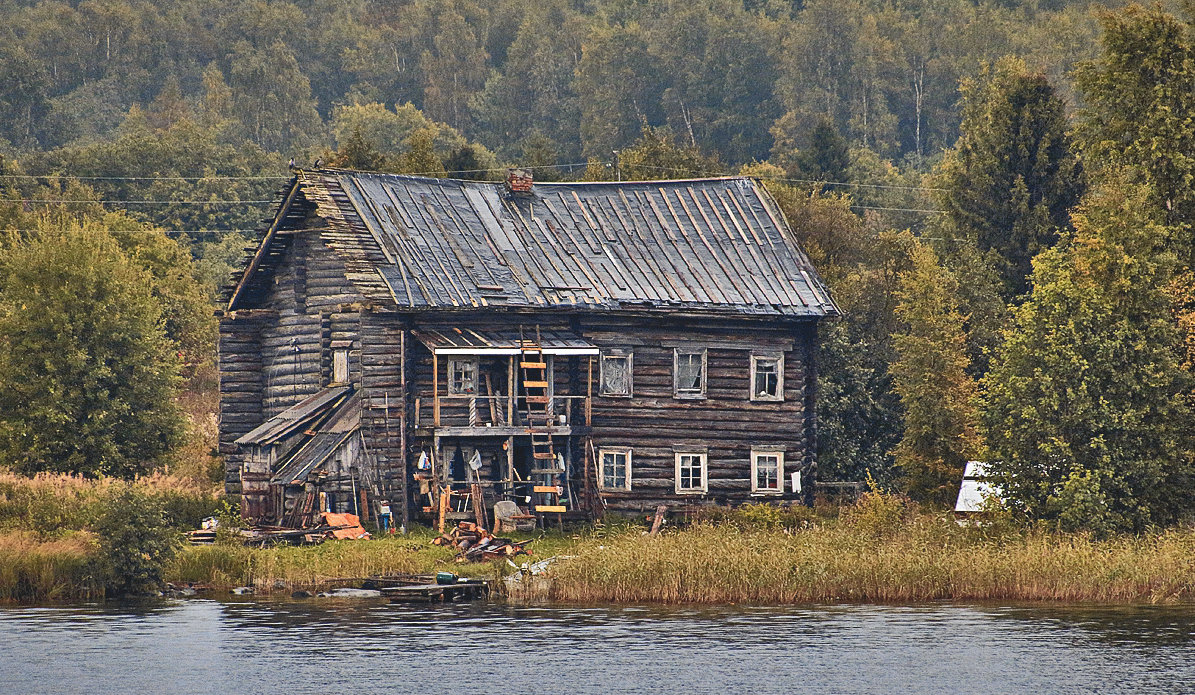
(767, 377)
(689, 373)
(462, 377)
(616, 373)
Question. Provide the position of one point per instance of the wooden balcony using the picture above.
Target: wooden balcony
(496, 416)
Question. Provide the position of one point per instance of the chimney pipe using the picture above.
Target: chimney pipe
(519, 181)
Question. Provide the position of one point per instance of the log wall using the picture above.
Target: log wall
(273, 356)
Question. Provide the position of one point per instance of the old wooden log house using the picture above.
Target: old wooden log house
(440, 345)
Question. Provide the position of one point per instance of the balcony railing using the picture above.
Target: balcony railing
(497, 411)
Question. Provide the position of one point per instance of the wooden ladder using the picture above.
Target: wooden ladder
(533, 368)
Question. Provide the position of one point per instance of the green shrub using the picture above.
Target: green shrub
(135, 542)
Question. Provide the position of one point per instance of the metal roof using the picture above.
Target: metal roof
(975, 490)
(451, 340)
(714, 245)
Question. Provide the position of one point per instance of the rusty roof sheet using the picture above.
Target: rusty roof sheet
(716, 245)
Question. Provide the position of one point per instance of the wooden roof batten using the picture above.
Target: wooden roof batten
(264, 246)
(715, 246)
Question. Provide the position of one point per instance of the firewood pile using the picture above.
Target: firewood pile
(475, 544)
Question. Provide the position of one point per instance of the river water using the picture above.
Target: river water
(369, 646)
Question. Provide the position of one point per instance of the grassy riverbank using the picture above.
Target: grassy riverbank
(881, 550)
(48, 550)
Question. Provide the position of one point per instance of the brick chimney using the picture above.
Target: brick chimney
(519, 181)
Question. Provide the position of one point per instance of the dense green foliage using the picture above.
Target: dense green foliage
(135, 543)
(1012, 179)
(87, 371)
(1088, 413)
(930, 376)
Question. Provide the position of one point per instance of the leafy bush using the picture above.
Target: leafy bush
(135, 542)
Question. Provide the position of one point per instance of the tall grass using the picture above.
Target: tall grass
(33, 569)
(879, 551)
(48, 502)
(228, 565)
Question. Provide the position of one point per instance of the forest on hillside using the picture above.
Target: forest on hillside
(998, 192)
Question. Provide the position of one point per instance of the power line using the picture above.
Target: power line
(791, 180)
(876, 207)
(271, 178)
(142, 202)
(143, 178)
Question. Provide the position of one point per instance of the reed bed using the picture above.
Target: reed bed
(227, 565)
(50, 503)
(33, 569)
(924, 558)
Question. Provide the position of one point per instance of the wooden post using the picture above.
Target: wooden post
(659, 520)
(435, 389)
(407, 498)
(510, 464)
(510, 393)
(445, 495)
(589, 394)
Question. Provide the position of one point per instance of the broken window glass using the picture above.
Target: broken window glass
(462, 378)
(690, 372)
(766, 378)
(616, 375)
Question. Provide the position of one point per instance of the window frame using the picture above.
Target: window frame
(450, 365)
(755, 359)
(705, 471)
(616, 353)
(756, 453)
(677, 392)
(614, 451)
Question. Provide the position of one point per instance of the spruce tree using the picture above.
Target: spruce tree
(1087, 410)
(1139, 98)
(930, 376)
(1012, 178)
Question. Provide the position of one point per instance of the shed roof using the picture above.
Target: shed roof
(717, 245)
(294, 417)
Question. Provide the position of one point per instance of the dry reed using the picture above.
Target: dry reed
(32, 569)
(922, 558)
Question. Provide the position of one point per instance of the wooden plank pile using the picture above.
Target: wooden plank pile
(476, 544)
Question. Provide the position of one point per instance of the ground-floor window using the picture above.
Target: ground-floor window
(691, 475)
(767, 471)
(615, 469)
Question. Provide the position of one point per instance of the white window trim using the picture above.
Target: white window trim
(676, 391)
(602, 466)
(779, 357)
(705, 472)
(451, 364)
(630, 358)
(765, 451)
